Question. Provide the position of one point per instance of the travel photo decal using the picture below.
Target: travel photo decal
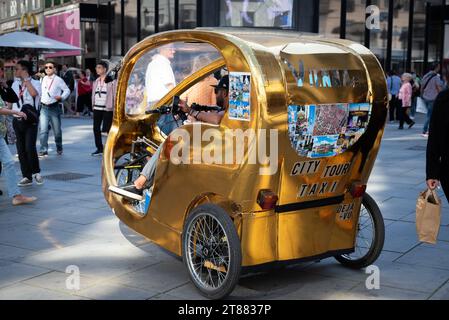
(326, 130)
(240, 96)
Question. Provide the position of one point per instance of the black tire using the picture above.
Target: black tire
(377, 243)
(195, 252)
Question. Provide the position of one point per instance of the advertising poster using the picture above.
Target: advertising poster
(240, 96)
(326, 130)
(324, 146)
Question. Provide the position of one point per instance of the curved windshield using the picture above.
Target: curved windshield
(161, 69)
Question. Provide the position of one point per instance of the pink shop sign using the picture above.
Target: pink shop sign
(64, 27)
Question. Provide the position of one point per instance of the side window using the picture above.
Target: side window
(159, 70)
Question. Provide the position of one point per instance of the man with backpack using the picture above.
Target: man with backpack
(431, 86)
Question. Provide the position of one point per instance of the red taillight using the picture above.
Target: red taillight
(267, 199)
(358, 189)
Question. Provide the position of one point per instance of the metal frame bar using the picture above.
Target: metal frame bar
(156, 16)
(408, 64)
(367, 31)
(343, 9)
(316, 16)
(442, 26)
(109, 30)
(426, 38)
(176, 22)
(139, 21)
(122, 27)
(199, 13)
(389, 35)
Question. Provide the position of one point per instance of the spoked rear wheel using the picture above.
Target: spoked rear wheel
(211, 251)
(370, 236)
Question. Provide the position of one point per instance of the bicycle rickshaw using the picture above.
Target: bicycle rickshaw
(327, 101)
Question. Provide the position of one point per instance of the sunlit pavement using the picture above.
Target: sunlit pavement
(71, 225)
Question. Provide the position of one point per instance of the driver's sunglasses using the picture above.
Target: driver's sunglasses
(48, 67)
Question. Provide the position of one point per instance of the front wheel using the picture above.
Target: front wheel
(370, 236)
(211, 251)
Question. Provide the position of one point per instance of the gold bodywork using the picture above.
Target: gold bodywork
(266, 236)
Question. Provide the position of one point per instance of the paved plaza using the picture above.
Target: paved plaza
(72, 225)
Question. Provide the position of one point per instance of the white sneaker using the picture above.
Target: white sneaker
(38, 178)
(25, 182)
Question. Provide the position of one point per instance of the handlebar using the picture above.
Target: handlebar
(170, 109)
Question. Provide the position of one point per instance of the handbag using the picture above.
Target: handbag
(428, 216)
(30, 110)
(32, 114)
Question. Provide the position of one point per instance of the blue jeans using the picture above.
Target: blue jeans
(50, 114)
(9, 169)
(429, 106)
(150, 168)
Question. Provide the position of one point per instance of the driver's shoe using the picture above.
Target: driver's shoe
(128, 191)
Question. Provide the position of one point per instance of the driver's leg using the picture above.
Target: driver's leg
(147, 174)
(134, 191)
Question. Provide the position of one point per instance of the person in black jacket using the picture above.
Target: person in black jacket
(437, 164)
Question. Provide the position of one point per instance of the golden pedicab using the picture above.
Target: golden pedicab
(281, 178)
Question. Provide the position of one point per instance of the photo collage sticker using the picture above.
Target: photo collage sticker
(239, 96)
(326, 130)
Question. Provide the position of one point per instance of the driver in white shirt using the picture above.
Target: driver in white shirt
(159, 77)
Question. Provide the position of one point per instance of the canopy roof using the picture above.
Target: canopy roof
(22, 39)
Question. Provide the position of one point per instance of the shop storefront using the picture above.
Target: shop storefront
(404, 34)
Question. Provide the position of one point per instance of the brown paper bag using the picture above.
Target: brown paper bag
(428, 215)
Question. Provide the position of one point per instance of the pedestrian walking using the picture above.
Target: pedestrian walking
(84, 100)
(405, 97)
(29, 91)
(393, 85)
(102, 105)
(7, 161)
(431, 87)
(416, 85)
(54, 91)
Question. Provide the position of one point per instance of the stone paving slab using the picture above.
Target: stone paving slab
(12, 273)
(22, 291)
(436, 256)
(442, 293)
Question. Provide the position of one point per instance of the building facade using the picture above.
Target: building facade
(404, 34)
